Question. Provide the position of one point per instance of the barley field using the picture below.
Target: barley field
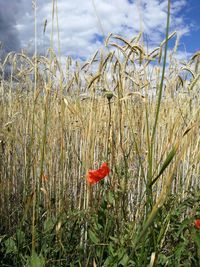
(133, 110)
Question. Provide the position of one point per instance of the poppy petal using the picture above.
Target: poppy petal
(95, 176)
(197, 223)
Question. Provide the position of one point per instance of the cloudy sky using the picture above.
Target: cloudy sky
(83, 24)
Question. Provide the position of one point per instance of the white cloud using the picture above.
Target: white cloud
(80, 22)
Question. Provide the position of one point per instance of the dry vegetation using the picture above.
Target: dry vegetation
(57, 123)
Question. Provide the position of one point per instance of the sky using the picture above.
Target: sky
(84, 24)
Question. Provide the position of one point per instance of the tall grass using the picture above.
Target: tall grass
(57, 123)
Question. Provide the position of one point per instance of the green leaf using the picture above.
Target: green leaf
(184, 224)
(162, 259)
(20, 237)
(35, 260)
(196, 238)
(93, 237)
(181, 249)
(116, 240)
(10, 246)
(110, 261)
(111, 250)
(167, 161)
(48, 225)
(124, 261)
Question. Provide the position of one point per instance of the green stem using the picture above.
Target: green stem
(159, 96)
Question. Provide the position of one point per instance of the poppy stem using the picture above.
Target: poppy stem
(109, 129)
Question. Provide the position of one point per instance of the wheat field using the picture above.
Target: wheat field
(135, 109)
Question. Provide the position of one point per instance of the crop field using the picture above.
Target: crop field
(100, 161)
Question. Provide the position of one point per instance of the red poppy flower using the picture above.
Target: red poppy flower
(95, 176)
(197, 223)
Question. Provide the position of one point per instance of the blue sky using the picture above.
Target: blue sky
(84, 24)
(192, 17)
